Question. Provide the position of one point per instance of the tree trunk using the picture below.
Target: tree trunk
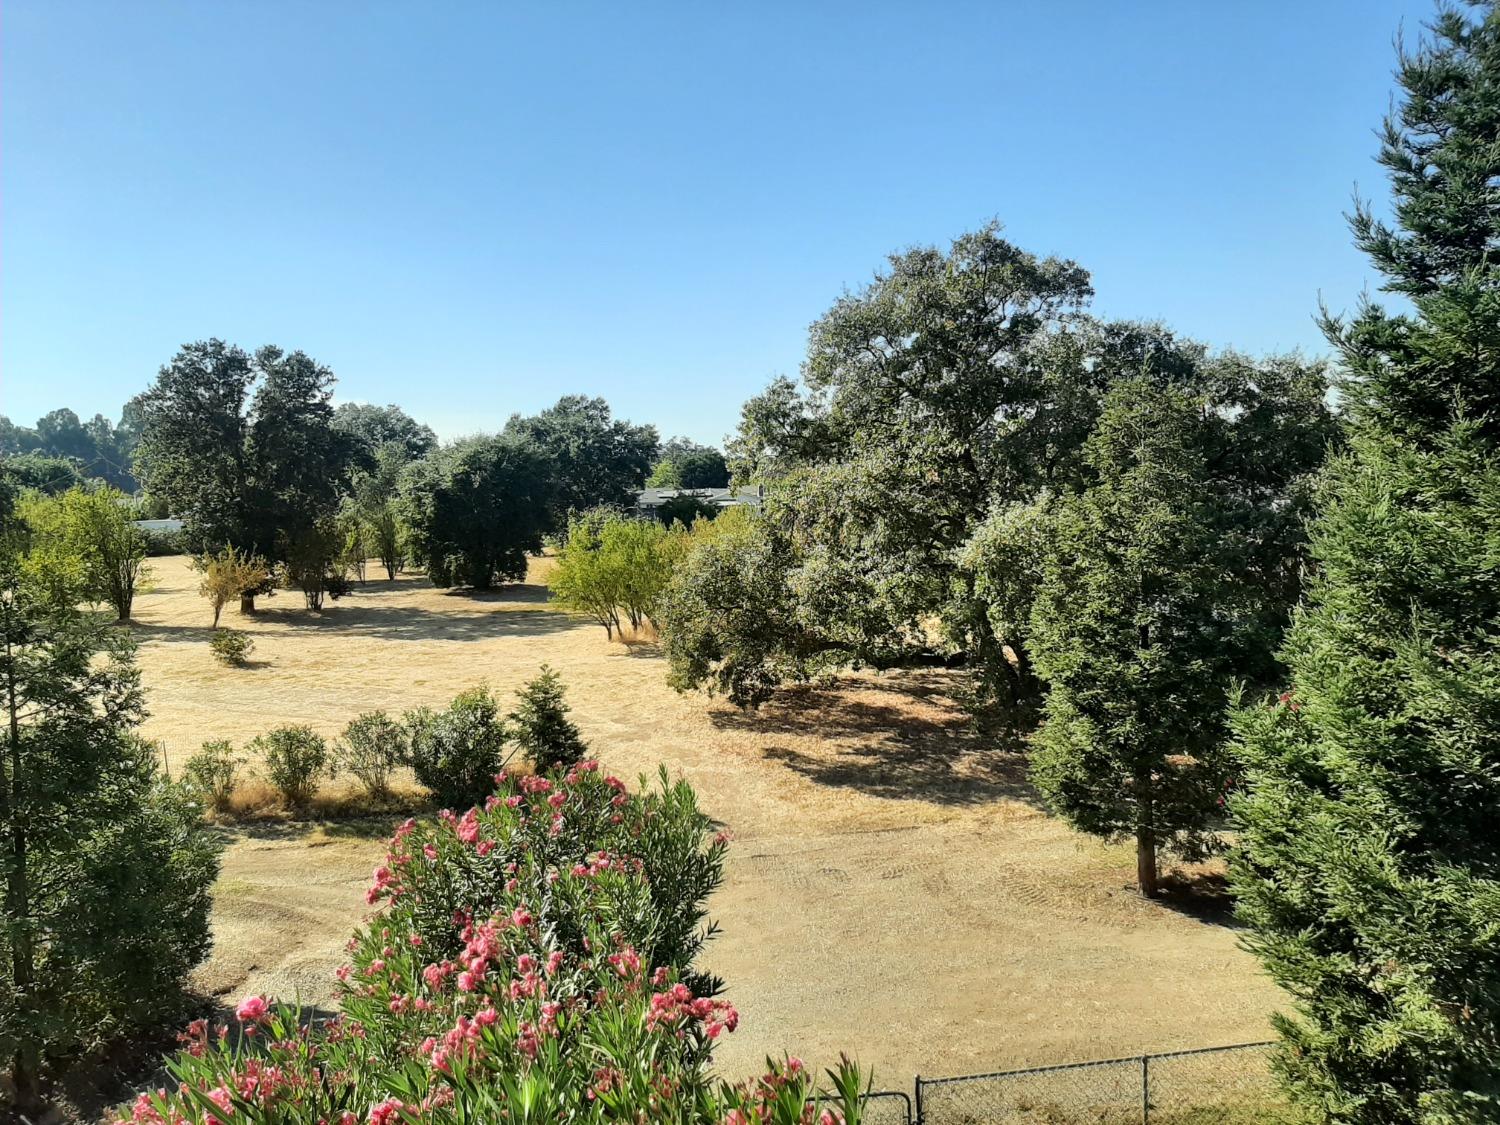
(1145, 860)
(26, 1065)
(247, 604)
(1028, 686)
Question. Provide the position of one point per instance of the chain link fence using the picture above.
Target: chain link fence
(1212, 1086)
(887, 1107)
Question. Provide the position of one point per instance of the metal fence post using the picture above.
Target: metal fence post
(918, 1090)
(1145, 1090)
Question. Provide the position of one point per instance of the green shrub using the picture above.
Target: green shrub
(456, 752)
(295, 757)
(686, 508)
(159, 543)
(540, 727)
(373, 744)
(232, 573)
(214, 772)
(230, 646)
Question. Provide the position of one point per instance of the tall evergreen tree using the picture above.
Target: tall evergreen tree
(1156, 592)
(1369, 871)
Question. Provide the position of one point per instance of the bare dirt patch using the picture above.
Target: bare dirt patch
(894, 890)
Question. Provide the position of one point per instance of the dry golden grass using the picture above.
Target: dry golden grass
(894, 891)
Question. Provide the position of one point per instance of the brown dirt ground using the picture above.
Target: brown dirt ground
(893, 891)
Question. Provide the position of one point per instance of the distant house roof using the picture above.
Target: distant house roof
(158, 525)
(649, 498)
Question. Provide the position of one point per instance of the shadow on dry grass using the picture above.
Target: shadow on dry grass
(257, 810)
(406, 622)
(901, 736)
(1200, 894)
(376, 617)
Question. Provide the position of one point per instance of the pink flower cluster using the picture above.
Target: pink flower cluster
(677, 1008)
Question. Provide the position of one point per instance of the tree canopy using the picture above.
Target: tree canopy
(242, 447)
(935, 405)
(476, 508)
(376, 427)
(97, 449)
(686, 464)
(598, 459)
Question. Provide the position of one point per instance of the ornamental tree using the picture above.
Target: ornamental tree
(1369, 869)
(229, 574)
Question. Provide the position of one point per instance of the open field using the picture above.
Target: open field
(893, 890)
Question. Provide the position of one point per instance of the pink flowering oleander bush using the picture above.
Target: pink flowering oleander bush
(532, 960)
(547, 843)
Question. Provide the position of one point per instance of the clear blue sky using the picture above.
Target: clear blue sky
(470, 209)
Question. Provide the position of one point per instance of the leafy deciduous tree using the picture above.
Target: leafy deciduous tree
(686, 464)
(475, 509)
(88, 532)
(599, 460)
(612, 565)
(374, 427)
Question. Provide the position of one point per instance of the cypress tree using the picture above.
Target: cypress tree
(1132, 638)
(1369, 865)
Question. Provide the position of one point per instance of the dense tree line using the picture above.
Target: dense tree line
(249, 451)
(96, 449)
(686, 464)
